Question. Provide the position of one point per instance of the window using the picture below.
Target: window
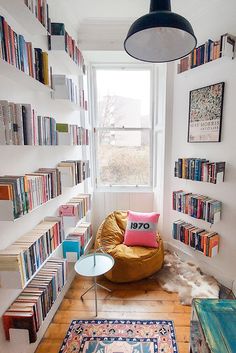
(123, 126)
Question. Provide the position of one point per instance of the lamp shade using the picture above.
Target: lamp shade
(160, 36)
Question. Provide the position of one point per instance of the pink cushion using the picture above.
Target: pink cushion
(141, 229)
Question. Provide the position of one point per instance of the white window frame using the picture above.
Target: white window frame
(95, 128)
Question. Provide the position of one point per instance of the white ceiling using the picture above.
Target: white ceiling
(103, 24)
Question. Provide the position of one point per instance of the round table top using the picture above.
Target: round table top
(85, 265)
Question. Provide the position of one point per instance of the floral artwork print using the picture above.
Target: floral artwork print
(205, 113)
(120, 336)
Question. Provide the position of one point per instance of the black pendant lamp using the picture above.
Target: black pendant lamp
(160, 36)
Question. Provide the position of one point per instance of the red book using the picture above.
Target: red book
(20, 320)
(6, 38)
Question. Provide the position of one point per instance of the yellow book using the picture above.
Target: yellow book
(45, 69)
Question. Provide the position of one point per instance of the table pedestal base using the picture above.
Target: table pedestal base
(95, 285)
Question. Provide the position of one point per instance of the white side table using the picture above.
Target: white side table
(93, 265)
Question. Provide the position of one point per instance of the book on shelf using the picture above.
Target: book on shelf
(199, 169)
(21, 54)
(61, 40)
(30, 190)
(72, 134)
(197, 206)
(23, 258)
(209, 51)
(64, 88)
(30, 308)
(197, 238)
(82, 234)
(74, 210)
(73, 172)
(40, 10)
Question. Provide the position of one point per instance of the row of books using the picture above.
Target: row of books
(71, 134)
(197, 206)
(40, 10)
(209, 51)
(73, 172)
(61, 40)
(75, 243)
(30, 308)
(65, 88)
(30, 190)
(21, 54)
(200, 170)
(26, 255)
(74, 210)
(20, 125)
(197, 238)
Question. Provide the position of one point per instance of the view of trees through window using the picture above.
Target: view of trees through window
(123, 127)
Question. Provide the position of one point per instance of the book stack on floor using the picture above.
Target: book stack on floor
(20, 260)
(73, 172)
(76, 242)
(21, 54)
(197, 206)
(199, 239)
(29, 191)
(209, 51)
(71, 134)
(73, 211)
(61, 40)
(64, 88)
(200, 170)
(40, 10)
(31, 307)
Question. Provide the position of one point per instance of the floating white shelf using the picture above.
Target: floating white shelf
(63, 63)
(6, 210)
(66, 103)
(20, 12)
(11, 72)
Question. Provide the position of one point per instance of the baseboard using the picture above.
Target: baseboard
(205, 267)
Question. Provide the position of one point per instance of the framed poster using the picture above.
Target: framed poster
(205, 113)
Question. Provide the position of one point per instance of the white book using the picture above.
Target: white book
(7, 122)
(2, 128)
(58, 42)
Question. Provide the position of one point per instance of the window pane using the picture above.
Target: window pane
(123, 157)
(123, 98)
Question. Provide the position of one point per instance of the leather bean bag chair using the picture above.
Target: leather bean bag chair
(132, 263)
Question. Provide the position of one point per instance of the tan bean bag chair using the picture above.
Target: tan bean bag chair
(132, 263)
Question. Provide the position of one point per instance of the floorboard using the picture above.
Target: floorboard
(140, 300)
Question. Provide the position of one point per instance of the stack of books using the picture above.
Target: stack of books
(209, 51)
(21, 54)
(73, 172)
(31, 307)
(76, 242)
(25, 256)
(199, 239)
(64, 88)
(197, 206)
(61, 40)
(200, 170)
(41, 11)
(73, 211)
(31, 190)
(71, 134)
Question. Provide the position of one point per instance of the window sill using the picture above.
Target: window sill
(125, 189)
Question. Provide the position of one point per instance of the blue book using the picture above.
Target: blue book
(71, 246)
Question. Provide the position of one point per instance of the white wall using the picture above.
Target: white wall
(224, 264)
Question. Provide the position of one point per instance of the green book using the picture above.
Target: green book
(62, 127)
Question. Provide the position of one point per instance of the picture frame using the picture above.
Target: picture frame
(205, 113)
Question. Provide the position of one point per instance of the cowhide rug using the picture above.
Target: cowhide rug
(186, 279)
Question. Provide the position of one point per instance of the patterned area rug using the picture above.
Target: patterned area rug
(120, 336)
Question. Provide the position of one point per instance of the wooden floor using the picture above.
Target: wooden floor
(139, 300)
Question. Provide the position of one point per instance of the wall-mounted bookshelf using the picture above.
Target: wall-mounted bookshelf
(197, 238)
(26, 18)
(208, 52)
(197, 206)
(198, 169)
